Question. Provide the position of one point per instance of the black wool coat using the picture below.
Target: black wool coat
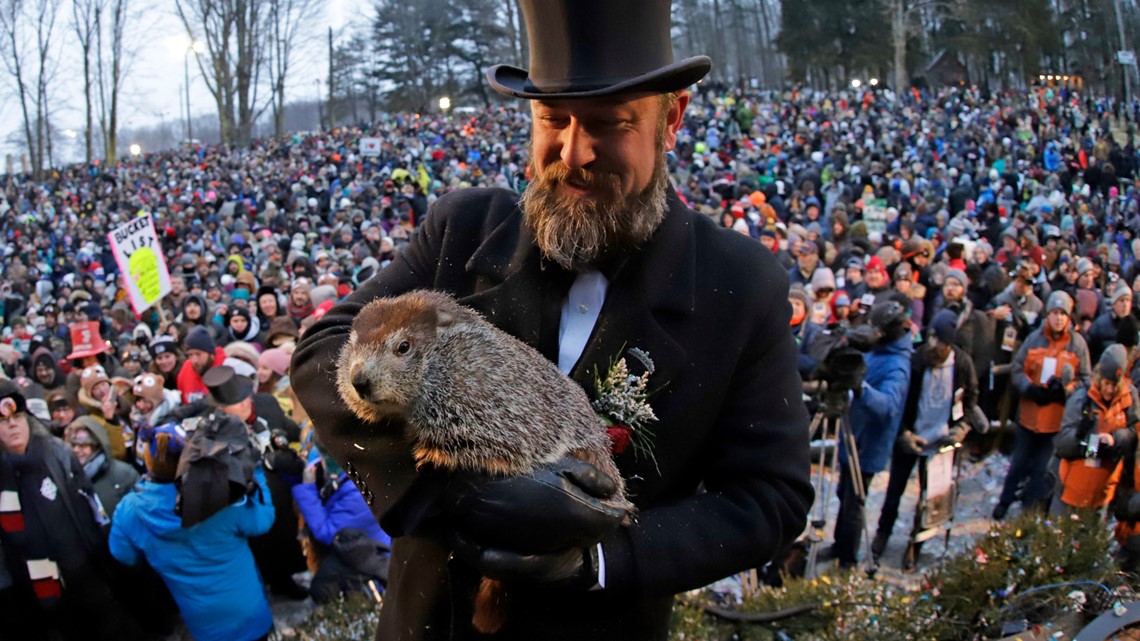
(731, 485)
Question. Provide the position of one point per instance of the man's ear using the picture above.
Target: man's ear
(674, 119)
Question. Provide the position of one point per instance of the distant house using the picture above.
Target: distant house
(945, 69)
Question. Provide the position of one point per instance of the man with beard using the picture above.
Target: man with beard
(600, 256)
(202, 353)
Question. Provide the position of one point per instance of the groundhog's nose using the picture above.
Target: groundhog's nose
(361, 384)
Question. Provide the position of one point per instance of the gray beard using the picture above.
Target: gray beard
(578, 233)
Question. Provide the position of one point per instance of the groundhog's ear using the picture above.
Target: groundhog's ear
(445, 318)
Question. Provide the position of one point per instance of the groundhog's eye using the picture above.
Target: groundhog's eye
(403, 348)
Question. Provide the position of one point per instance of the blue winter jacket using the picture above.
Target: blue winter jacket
(877, 413)
(208, 568)
(345, 508)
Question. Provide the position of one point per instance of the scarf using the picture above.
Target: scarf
(299, 313)
(91, 468)
(42, 570)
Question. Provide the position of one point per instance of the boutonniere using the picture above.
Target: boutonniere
(622, 403)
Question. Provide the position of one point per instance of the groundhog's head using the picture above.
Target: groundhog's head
(381, 368)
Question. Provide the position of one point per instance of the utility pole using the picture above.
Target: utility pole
(332, 122)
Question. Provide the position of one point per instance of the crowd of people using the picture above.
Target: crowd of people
(989, 241)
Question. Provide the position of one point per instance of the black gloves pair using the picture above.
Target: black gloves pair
(1054, 392)
(538, 528)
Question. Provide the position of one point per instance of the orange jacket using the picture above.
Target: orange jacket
(1068, 349)
(1091, 483)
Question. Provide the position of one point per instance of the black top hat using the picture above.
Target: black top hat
(226, 387)
(590, 48)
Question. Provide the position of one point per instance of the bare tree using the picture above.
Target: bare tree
(83, 14)
(234, 33)
(111, 24)
(28, 52)
(289, 27)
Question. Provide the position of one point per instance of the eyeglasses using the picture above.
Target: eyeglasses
(83, 446)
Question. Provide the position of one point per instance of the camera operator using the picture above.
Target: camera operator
(876, 412)
(941, 401)
(1098, 429)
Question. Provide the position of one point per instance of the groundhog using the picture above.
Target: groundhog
(472, 398)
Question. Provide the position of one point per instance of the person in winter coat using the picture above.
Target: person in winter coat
(1051, 362)
(1102, 332)
(58, 574)
(208, 567)
(875, 415)
(112, 478)
(45, 370)
(332, 506)
(202, 353)
(1097, 431)
(98, 398)
(941, 400)
(240, 326)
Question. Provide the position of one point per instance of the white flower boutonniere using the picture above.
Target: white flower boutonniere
(622, 403)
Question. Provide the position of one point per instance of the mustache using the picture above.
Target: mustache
(607, 183)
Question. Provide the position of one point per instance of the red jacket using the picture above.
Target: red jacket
(190, 381)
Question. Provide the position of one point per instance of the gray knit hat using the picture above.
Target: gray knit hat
(1112, 362)
(1059, 300)
(959, 276)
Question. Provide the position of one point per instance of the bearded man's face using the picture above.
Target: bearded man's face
(598, 174)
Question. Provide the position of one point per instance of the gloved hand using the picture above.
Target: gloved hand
(556, 508)
(957, 434)
(910, 442)
(571, 569)
(1038, 394)
(1056, 390)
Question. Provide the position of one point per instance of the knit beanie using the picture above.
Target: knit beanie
(199, 338)
(163, 446)
(323, 293)
(944, 326)
(1084, 265)
(823, 278)
(1059, 300)
(162, 344)
(959, 276)
(149, 386)
(1112, 362)
(1121, 291)
(276, 360)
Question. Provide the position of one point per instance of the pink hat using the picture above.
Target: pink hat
(276, 360)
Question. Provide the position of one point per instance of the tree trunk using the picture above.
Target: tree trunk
(898, 37)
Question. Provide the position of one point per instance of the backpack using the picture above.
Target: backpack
(216, 468)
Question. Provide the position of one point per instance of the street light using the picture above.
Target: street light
(195, 47)
(856, 83)
(135, 149)
(444, 104)
(874, 82)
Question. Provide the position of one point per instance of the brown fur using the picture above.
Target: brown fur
(472, 397)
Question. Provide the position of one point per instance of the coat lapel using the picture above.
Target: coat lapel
(655, 282)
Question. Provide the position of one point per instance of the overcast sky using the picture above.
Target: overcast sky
(152, 90)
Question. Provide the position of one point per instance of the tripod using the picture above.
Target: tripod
(835, 422)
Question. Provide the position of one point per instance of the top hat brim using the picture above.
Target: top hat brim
(512, 81)
(232, 394)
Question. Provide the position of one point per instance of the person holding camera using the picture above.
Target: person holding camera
(942, 399)
(1097, 431)
(1039, 371)
(876, 412)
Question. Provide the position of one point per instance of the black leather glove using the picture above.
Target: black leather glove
(556, 508)
(1038, 394)
(1056, 390)
(570, 569)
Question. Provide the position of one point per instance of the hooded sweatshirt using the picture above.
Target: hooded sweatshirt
(208, 568)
